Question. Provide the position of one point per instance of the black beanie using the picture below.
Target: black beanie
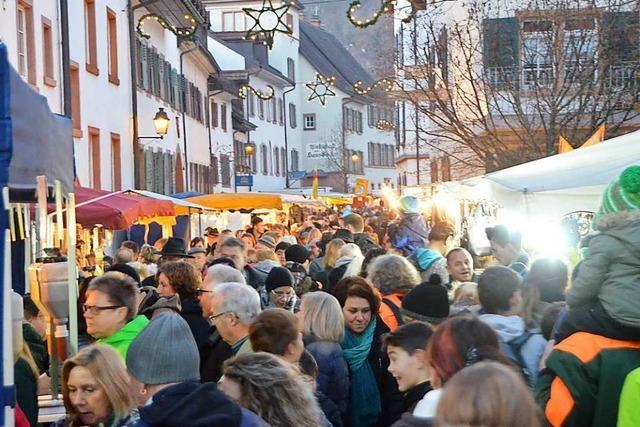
(344, 235)
(297, 253)
(427, 302)
(126, 269)
(278, 276)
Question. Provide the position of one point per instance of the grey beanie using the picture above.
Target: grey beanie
(164, 352)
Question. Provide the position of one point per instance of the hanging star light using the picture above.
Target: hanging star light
(186, 32)
(321, 88)
(262, 95)
(268, 21)
(384, 124)
(385, 84)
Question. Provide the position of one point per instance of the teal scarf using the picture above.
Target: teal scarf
(365, 396)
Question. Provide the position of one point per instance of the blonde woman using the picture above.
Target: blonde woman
(95, 389)
(273, 389)
(331, 255)
(322, 324)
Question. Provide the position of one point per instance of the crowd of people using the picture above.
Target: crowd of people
(353, 319)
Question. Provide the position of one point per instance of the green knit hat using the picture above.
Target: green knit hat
(622, 194)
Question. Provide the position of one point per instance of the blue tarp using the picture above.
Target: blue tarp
(186, 194)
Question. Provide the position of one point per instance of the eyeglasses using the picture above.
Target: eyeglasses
(282, 294)
(213, 317)
(97, 309)
(201, 291)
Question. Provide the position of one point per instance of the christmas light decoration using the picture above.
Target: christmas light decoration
(386, 7)
(385, 84)
(321, 88)
(267, 21)
(184, 32)
(383, 124)
(242, 92)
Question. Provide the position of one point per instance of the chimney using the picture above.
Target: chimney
(315, 18)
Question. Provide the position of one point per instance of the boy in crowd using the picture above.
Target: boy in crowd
(406, 348)
(501, 301)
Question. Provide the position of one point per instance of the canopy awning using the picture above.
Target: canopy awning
(238, 201)
(180, 206)
(117, 211)
(299, 199)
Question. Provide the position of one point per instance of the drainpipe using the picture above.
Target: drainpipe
(184, 119)
(66, 68)
(209, 121)
(286, 142)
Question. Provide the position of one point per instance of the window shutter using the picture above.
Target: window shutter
(144, 58)
(148, 163)
(161, 76)
(434, 171)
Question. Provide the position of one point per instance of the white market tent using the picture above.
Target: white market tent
(557, 185)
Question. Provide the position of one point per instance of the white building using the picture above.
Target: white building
(99, 78)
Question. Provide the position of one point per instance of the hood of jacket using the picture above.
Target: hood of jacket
(127, 333)
(624, 226)
(508, 328)
(191, 404)
(425, 257)
(266, 265)
(343, 260)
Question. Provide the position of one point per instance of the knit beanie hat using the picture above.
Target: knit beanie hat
(297, 253)
(622, 194)
(278, 276)
(343, 234)
(409, 204)
(427, 302)
(268, 241)
(282, 246)
(164, 352)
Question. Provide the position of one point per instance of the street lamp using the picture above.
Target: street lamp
(160, 123)
(249, 150)
(355, 158)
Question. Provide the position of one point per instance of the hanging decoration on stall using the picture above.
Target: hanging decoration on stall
(265, 96)
(384, 124)
(321, 88)
(267, 21)
(384, 84)
(186, 32)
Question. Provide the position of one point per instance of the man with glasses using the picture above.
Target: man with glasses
(233, 308)
(110, 311)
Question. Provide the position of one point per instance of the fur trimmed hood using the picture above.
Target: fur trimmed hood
(618, 219)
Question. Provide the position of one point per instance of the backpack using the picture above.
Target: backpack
(513, 350)
(395, 310)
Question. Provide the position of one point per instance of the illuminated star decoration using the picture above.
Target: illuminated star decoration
(385, 84)
(385, 125)
(267, 22)
(321, 88)
(262, 95)
(180, 32)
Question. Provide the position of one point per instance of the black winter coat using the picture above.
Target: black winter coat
(200, 327)
(216, 351)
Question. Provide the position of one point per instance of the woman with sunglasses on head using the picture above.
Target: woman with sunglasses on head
(110, 311)
(95, 390)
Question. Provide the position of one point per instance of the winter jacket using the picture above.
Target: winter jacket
(265, 266)
(410, 233)
(332, 414)
(628, 414)
(425, 410)
(316, 266)
(387, 313)
(254, 278)
(510, 328)
(200, 327)
(410, 420)
(414, 395)
(364, 242)
(583, 378)
(215, 352)
(611, 271)
(195, 405)
(122, 339)
(335, 275)
(130, 420)
(428, 262)
(333, 372)
(26, 390)
(37, 346)
(302, 282)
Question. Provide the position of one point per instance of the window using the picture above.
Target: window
(309, 121)
(225, 170)
(268, 105)
(264, 159)
(223, 117)
(252, 104)
(291, 69)
(91, 42)
(75, 100)
(116, 163)
(290, 21)
(276, 160)
(280, 112)
(283, 161)
(261, 109)
(47, 52)
(112, 41)
(26, 42)
(94, 157)
(233, 21)
(274, 111)
(295, 159)
(214, 114)
(292, 116)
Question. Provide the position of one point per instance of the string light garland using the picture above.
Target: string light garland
(386, 7)
(178, 31)
(267, 22)
(242, 92)
(385, 84)
(321, 88)
(383, 124)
